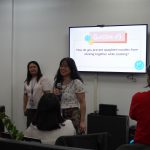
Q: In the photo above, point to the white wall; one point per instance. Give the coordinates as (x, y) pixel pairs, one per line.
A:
(6, 54)
(40, 32)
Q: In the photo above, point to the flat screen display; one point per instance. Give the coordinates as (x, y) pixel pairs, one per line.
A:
(113, 48)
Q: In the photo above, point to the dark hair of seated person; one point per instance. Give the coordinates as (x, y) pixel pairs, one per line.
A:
(48, 116)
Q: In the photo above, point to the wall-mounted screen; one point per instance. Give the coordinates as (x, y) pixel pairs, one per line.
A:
(113, 48)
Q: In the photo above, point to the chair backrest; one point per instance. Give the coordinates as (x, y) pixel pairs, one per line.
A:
(133, 147)
(29, 139)
(96, 141)
(25, 145)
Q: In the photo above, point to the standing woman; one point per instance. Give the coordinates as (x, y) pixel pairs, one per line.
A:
(72, 93)
(35, 86)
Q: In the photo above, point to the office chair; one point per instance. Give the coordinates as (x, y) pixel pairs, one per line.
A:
(95, 141)
(133, 147)
(6, 135)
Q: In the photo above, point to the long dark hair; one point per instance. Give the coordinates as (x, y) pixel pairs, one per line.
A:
(48, 116)
(29, 76)
(73, 68)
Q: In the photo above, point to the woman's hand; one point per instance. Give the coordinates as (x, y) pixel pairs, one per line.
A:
(82, 127)
(56, 91)
(81, 98)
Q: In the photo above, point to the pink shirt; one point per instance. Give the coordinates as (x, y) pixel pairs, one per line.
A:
(35, 90)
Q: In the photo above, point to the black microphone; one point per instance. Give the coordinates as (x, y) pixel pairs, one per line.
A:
(59, 86)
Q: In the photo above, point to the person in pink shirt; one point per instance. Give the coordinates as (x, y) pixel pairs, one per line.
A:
(35, 85)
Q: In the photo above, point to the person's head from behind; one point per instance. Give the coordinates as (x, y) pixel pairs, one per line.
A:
(33, 70)
(67, 68)
(48, 113)
(148, 76)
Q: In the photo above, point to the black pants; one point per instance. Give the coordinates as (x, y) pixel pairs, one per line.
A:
(31, 114)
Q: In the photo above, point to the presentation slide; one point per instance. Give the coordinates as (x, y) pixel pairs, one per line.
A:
(118, 48)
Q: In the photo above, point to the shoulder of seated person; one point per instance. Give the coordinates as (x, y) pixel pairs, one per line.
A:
(68, 121)
(32, 126)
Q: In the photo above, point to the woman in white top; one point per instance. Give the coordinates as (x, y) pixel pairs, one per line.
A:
(69, 84)
(35, 86)
(49, 124)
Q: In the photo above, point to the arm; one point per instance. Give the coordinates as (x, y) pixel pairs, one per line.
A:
(25, 101)
(81, 98)
(134, 108)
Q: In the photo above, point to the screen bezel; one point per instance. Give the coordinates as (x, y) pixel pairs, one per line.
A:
(101, 26)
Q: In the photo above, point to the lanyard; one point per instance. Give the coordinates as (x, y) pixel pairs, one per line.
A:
(33, 82)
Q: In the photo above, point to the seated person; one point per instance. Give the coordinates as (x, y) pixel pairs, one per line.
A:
(140, 112)
(49, 124)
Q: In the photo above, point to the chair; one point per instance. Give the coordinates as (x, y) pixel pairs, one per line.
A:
(25, 145)
(133, 147)
(29, 139)
(96, 141)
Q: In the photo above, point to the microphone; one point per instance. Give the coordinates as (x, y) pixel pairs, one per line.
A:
(59, 86)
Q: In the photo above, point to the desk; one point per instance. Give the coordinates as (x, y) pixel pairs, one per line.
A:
(117, 126)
